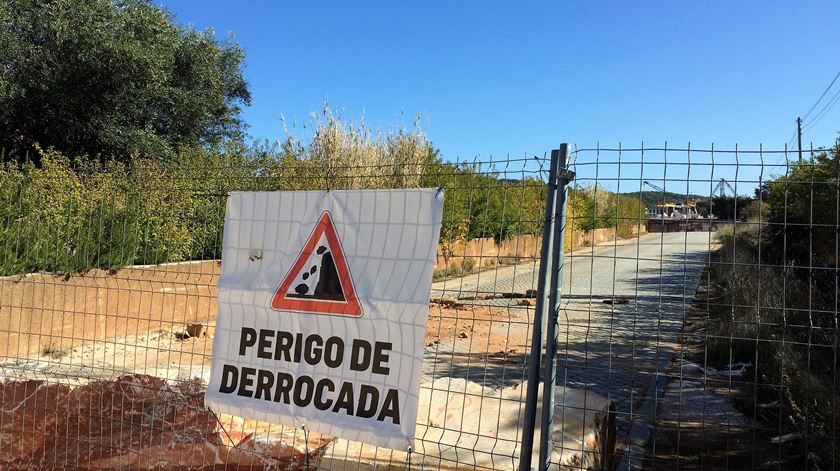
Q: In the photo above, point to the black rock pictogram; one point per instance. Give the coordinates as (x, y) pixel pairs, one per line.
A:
(328, 287)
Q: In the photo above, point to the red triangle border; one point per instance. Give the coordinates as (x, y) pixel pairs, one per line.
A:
(350, 307)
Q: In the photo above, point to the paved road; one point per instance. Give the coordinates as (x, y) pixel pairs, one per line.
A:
(612, 349)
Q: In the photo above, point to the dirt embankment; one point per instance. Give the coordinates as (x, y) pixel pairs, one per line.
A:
(52, 314)
(138, 422)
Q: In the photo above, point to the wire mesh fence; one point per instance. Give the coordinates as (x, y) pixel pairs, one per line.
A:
(696, 319)
(715, 334)
(108, 305)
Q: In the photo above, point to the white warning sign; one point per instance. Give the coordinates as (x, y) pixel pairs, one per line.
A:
(323, 302)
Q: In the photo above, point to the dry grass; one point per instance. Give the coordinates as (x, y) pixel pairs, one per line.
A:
(352, 155)
(782, 320)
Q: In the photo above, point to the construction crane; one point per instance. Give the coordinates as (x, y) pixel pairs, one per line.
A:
(654, 186)
(669, 209)
(652, 212)
(722, 186)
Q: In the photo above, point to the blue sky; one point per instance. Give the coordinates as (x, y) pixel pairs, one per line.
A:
(492, 78)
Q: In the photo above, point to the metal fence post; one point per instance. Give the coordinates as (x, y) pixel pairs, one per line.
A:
(555, 285)
(529, 427)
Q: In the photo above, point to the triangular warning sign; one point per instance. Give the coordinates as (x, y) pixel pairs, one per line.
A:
(319, 281)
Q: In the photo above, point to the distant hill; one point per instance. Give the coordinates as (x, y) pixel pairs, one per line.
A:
(651, 198)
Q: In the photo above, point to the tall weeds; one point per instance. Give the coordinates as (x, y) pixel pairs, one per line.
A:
(784, 322)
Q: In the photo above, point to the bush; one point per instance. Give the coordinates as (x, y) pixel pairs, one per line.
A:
(782, 321)
(65, 215)
(804, 211)
(756, 211)
(589, 208)
(779, 285)
(629, 213)
(58, 219)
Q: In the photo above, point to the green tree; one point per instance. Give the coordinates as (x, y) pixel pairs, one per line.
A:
(728, 208)
(115, 78)
(756, 211)
(627, 214)
(804, 208)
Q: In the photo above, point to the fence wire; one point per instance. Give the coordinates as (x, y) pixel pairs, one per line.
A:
(108, 305)
(697, 316)
(714, 334)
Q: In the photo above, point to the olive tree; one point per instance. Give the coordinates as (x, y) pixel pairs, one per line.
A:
(113, 78)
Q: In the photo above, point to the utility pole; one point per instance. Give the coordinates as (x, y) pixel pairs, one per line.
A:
(799, 133)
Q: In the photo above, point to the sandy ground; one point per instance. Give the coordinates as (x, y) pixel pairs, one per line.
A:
(101, 325)
(481, 329)
(75, 331)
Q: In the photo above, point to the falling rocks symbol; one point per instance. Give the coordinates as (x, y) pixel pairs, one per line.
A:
(319, 281)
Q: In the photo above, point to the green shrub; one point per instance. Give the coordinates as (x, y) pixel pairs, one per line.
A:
(804, 211)
(629, 213)
(60, 219)
(756, 211)
(66, 215)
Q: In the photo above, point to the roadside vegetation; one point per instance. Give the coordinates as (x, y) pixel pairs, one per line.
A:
(113, 79)
(593, 207)
(774, 305)
(63, 214)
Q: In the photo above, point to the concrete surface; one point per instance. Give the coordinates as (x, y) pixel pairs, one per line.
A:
(463, 425)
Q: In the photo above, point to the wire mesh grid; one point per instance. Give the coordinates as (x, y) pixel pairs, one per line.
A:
(697, 318)
(715, 333)
(108, 302)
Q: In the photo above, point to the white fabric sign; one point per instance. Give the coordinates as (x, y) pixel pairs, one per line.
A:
(323, 302)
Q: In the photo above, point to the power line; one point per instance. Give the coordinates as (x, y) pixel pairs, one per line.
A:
(824, 111)
(821, 96)
(793, 138)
